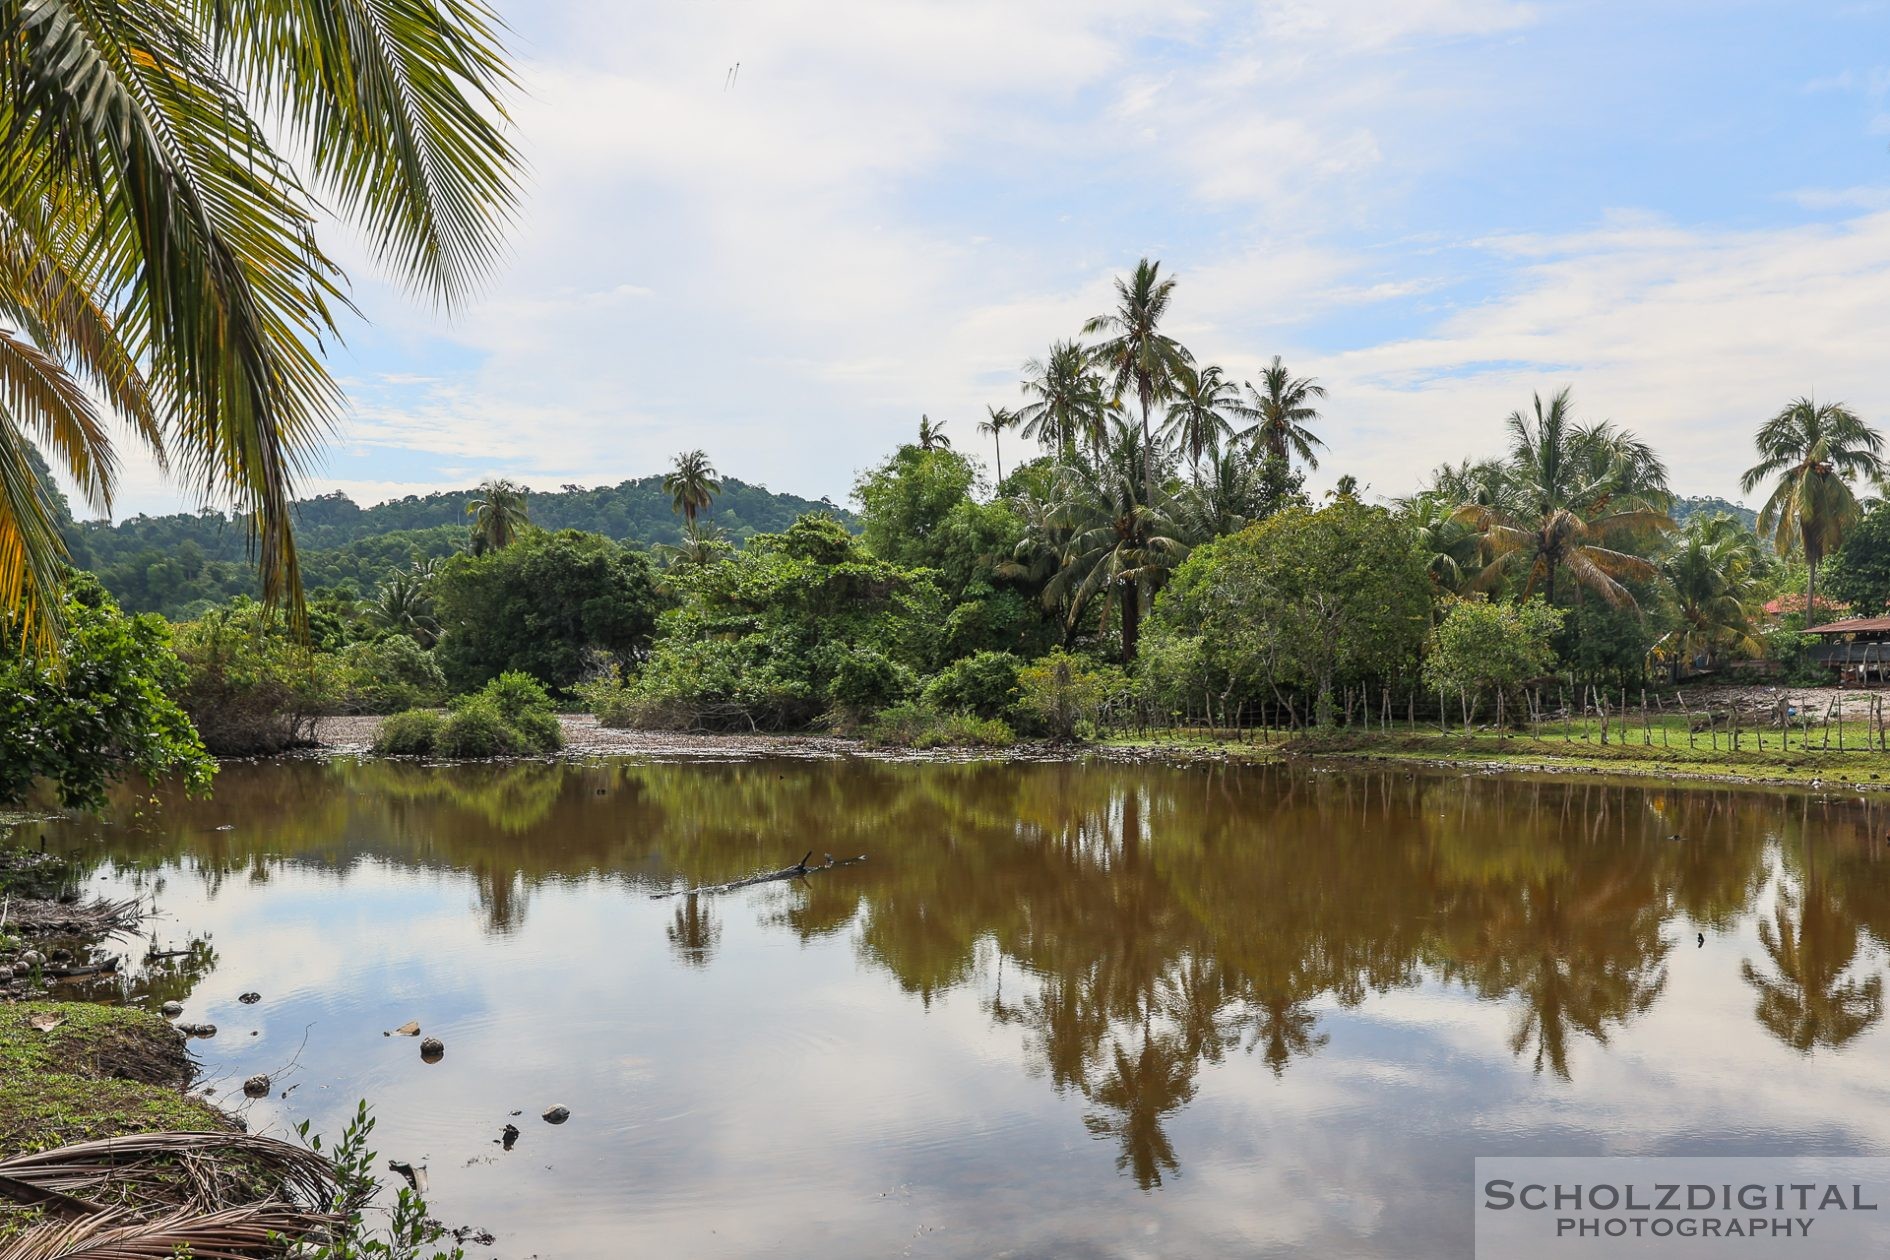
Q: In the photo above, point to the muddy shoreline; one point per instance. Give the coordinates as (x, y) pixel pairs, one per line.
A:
(584, 738)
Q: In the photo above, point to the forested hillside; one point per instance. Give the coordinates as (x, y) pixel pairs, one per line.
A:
(178, 564)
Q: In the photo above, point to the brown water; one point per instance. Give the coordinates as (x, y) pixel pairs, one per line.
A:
(1061, 1010)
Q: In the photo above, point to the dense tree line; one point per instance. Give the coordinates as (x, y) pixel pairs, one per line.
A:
(1149, 554)
(182, 564)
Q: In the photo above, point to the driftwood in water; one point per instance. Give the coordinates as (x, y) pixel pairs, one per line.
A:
(795, 871)
(110, 965)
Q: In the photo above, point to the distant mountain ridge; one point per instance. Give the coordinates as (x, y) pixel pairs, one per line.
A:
(180, 563)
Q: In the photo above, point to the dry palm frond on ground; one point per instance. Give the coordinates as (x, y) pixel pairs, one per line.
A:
(169, 1194)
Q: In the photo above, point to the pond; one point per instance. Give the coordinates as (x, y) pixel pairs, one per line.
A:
(1062, 1009)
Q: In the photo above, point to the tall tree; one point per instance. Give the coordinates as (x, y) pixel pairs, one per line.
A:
(1198, 417)
(1119, 543)
(1709, 570)
(1578, 498)
(1814, 450)
(1069, 405)
(1000, 419)
(932, 435)
(498, 515)
(1136, 353)
(159, 257)
(1281, 409)
(691, 485)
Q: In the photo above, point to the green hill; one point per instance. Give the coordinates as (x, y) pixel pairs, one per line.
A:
(1703, 504)
(177, 564)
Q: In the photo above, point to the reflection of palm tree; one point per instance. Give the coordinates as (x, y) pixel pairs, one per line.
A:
(1813, 1001)
(1138, 1094)
(694, 933)
(1282, 1030)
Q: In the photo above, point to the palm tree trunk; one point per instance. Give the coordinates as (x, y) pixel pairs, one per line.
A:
(1811, 593)
(997, 444)
(1131, 620)
(1148, 461)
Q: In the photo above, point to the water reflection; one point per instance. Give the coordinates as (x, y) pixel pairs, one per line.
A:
(1136, 927)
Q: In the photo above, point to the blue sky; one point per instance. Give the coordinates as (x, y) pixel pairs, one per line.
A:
(1682, 210)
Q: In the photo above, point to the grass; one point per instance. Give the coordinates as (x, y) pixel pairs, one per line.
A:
(102, 1072)
(1662, 749)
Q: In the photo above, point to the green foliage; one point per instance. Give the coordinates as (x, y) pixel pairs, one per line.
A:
(1610, 646)
(1308, 600)
(917, 512)
(918, 725)
(185, 564)
(1480, 646)
(1064, 695)
(511, 716)
(415, 733)
(863, 681)
(474, 731)
(983, 683)
(252, 688)
(550, 605)
(758, 640)
(391, 674)
(105, 710)
(410, 1231)
(1858, 573)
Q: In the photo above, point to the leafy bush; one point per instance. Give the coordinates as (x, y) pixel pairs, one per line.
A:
(609, 697)
(983, 683)
(390, 675)
(104, 710)
(864, 681)
(912, 725)
(477, 730)
(510, 716)
(252, 688)
(1064, 695)
(412, 734)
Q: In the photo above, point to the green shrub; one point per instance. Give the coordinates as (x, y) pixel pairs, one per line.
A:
(914, 725)
(538, 731)
(476, 729)
(863, 682)
(514, 694)
(510, 716)
(1063, 695)
(414, 733)
(390, 675)
(983, 683)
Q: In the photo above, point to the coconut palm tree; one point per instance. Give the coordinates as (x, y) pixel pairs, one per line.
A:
(1709, 570)
(1119, 544)
(1281, 409)
(1576, 498)
(1000, 419)
(691, 485)
(1814, 449)
(1136, 354)
(1069, 403)
(702, 544)
(1450, 547)
(499, 514)
(403, 605)
(159, 256)
(1198, 417)
(932, 436)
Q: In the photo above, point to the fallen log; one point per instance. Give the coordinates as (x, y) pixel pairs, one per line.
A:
(110, 965)
(795, 871)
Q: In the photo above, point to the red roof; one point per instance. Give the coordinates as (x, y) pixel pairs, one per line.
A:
(1869, 625)
(1795, 602)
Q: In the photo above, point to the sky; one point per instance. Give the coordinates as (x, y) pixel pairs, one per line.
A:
(1679, 209)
